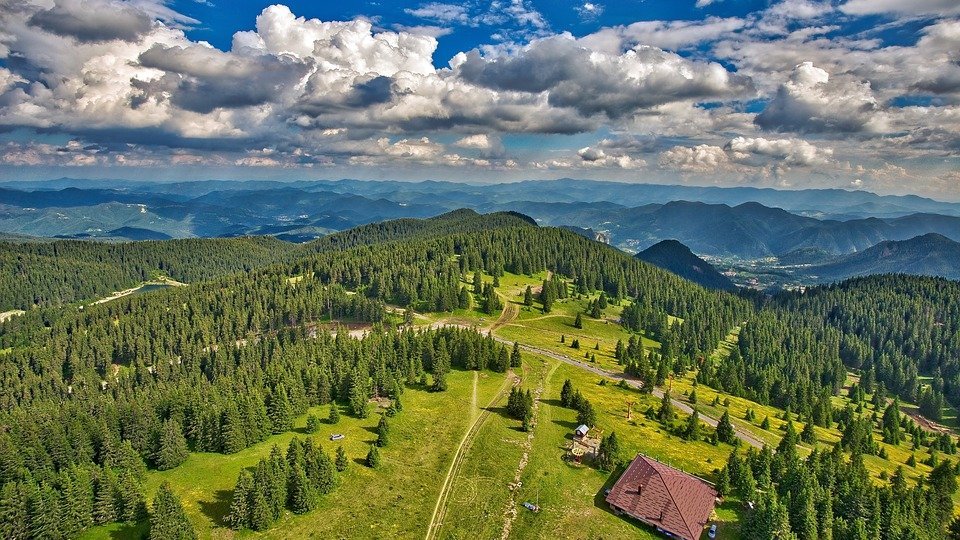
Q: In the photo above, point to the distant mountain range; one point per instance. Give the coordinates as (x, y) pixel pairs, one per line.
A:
(794, 229)
(927, 255)
(677, 258)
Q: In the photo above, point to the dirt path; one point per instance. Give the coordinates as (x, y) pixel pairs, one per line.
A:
(440, 508)
(744, 435)
(510, 513)
(10, 314)
(120, 294)
(509, 313)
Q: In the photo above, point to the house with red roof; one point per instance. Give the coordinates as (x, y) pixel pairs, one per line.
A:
(668, 499)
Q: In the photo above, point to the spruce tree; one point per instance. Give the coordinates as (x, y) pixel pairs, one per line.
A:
(341, 460)
(358, 394)
(239, 516)
(586, 415)
(334, 416)
(528, 297)
(373, 457)
(261, 515)
(313, 423)
(301, 493)
(725, 431)
(383, 432)
(609, 453)
(566, 393)
(515, 359)
(692, 430)
(578, 321)
(666, 414)
(281, 415)
(168, 521)
(441, 366)
(172, 447)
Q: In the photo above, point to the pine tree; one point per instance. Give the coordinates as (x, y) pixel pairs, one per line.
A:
(239, 516)
(807, 434)
(441, 366)
(172, 449)
(891, 423)
(168, 521)
(515, 359)
(578, 321)
(666, 414)
(725, 431)
(692, 430)
(341, 460)
(528, 297)
(281, 415)
(586, 415)
(609, 453)
(373, 457)
(105, 500)
(383, 432)
(313, 423)
(261, 516)
(334, 416)
(723, 482)
(301, 493)
(358, 394)
(566, 393)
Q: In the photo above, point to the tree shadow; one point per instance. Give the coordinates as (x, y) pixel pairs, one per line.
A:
(219, 507)
(362, 461)
(500, 410)
(131, 531)
(566, 424)
(371, 429)
(552, 402)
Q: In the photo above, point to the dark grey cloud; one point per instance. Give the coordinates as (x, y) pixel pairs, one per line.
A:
(93, 21)
(203, 79)
(591, 83)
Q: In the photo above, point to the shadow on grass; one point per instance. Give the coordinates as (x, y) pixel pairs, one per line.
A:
(362, 461)
(551, 402)
(130, 531)
(219, 507)
(500, 410)
(569, 425)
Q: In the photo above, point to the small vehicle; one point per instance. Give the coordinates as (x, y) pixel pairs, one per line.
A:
(712, 533)
(531, 507)
(336, 437)
(606, 492)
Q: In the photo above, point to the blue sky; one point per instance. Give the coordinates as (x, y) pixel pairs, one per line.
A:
(861, 94)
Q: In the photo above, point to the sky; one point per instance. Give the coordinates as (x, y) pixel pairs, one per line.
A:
(854, 94)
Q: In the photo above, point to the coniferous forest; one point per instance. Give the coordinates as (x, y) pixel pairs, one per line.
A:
(95, 396)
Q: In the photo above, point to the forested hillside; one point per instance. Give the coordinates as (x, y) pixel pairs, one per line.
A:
(892, 329)
(220, 364)
(51, 273)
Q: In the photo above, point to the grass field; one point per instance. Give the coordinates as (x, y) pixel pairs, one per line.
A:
(393, 502)
(570, 495)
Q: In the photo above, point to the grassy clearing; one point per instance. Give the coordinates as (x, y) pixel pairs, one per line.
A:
(571, 496)
(392, 502)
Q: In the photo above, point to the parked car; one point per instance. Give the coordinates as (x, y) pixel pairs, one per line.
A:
(712, 533)
(336, 437)
(531, 507)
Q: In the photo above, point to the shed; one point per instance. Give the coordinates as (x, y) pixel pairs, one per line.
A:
(582, 430)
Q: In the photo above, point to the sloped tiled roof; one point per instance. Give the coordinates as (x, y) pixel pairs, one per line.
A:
(662, 496)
